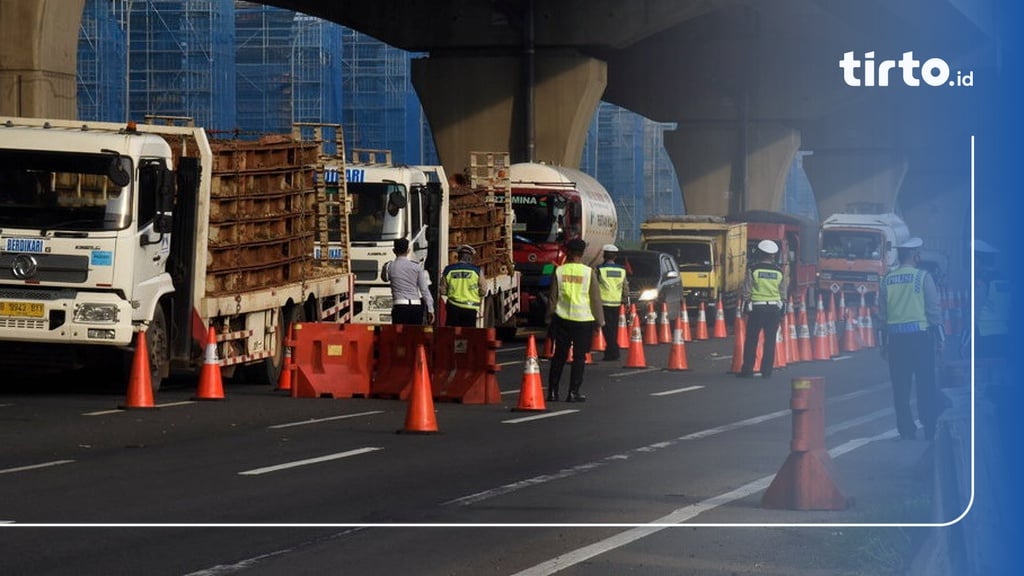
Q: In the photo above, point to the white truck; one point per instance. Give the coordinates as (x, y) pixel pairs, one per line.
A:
(108, 230)
(419, 203)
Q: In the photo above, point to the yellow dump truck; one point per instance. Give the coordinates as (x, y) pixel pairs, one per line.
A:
(711, 253)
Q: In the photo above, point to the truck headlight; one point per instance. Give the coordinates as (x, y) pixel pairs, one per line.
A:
(649, 294)
(872, 277)
(96, 313)
(825, 275)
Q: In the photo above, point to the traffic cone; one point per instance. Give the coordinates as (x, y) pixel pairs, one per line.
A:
(759, 352)
(677, 355)
(211, 387)
(651, 325)
(820, 346)
(719, 330)
(780, 349)
(830, 326)
(140, 381)
(867, 330)
(597, 343)
(420, 417)
(622, 337)
(850, 334)
(739, 331)
(664, 326)
(792, 348)
(702, 323)
(549, 346)
(687, 336)
(635, 357)
(284, 380)
(803, 332)
(531, 390)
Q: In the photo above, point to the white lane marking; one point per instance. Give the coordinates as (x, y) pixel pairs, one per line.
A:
(676, 391)
(841, 358)
(729, 357)
(511, 348)
(503, 392)
(678, 517)
(538, 416)
(328, 419)
(35, 466)
(512, 363)
(122, 410)
(586, 467)
(635, 371)
(317, 460)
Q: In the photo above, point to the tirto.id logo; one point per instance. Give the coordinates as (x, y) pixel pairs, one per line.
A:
(933, 71)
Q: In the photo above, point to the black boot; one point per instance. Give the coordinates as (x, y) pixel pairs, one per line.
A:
(552, 394)
(575, 396)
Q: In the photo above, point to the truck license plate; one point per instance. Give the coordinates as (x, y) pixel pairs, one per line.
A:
(21, 309)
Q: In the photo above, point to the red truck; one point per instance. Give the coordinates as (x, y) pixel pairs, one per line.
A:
(797, 238)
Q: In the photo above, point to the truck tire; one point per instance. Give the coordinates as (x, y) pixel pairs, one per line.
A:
(267, 371)
(158, 345)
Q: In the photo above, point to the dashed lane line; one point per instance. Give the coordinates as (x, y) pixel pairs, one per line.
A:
(35, 466)
(539, 416)
(328, 419)
(676, 391)
(308, 461)
(122, 410)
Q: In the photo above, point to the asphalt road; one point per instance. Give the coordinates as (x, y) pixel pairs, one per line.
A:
(657, 473)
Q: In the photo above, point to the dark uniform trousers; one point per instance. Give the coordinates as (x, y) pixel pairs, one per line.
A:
(457, 316)
(610, 329)
(566, 334)
(407, 314)
(912, 364)
(762, 317)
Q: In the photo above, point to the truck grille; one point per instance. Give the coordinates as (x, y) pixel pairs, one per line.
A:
(50, 268)
(23, 323)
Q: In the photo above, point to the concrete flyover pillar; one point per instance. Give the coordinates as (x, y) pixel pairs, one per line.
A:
(724, 168)
(855, 180)
(477, 103)
(38, 57)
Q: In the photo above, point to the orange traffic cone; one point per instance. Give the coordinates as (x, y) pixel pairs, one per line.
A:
(622, 337)
(284, 380)
(820, 346)
(677, 356)
(651, 325)
(803, 333)
(664, 326)
(702, 323)
(850, 333)
(211, 387)
(780, 349)
(635, 357)
(687, 336)
(739, 331)
(832, 330)
(867, 333)
(549, 346)
(140, 381)
(420, 418)
(531, 391)
(789, 333)
(597, 343)
(719, 330)
(759, 352)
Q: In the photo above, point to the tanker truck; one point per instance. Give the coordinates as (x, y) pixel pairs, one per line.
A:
(112, 232)
(553, 205)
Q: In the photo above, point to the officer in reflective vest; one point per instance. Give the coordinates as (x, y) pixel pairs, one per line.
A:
(462, 285)
(762, 290)
(992, 304)
(911, 311)
(574, 312)
(614, 286)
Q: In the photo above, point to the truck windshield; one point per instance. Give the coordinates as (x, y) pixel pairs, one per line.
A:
(852, 245)
(536, 217)
(374, 218)
(61, 190)
(691, 256)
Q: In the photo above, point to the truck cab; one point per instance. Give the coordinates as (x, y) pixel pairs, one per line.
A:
(857, 250)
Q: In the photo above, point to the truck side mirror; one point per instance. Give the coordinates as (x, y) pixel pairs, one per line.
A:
(117, 172)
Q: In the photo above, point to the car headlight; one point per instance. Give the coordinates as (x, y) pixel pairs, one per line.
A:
(649, 294)
(96, 313)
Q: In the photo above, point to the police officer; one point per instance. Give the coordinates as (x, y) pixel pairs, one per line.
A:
(614, 292)
(462, 284)
(575, 308)
(762, 291)
(410, 288)
(992, 304)
(911, 313)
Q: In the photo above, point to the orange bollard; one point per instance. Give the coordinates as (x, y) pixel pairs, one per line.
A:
(651, 325)
(806, 480)
(687, 336)
(284, 379)
(664, 326)
(211, 387)
(140, 381)
(420, 417)
(739, 331)
(635, 357)
(677, 355)
(531, 390)
(719, 330)
(702, 323)
(622, 337)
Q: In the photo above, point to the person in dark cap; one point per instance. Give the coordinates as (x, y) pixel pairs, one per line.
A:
(462, 287)
(911, 313)
(410, 288)
(574, 312)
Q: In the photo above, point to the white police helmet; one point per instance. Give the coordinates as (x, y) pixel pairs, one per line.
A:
(767, 246)
(610, 248)
(466, 249)
(912, 242)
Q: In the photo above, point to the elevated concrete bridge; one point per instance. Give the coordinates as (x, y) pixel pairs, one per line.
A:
(748, 82)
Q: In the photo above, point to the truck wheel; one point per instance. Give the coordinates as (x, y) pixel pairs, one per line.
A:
(159, 348)
(267, 371)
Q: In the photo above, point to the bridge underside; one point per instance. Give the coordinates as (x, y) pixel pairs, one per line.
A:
(748, 84)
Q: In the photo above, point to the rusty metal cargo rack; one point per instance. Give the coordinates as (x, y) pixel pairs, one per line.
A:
(481, 213)
(332, 205)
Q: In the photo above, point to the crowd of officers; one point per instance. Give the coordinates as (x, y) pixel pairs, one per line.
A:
(584, 298)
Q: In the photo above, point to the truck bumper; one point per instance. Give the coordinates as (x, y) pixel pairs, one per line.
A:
(65, 316)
